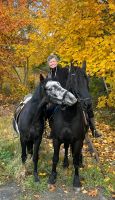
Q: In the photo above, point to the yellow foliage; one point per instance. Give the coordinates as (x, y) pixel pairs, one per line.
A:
(73, 29)
(102, 102)
(111, 99)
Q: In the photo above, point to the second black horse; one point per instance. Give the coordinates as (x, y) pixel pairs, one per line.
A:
(68, 125)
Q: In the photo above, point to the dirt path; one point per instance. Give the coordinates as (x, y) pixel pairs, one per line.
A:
(12, 191)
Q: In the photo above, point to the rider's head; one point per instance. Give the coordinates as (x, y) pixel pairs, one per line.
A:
(52, 61)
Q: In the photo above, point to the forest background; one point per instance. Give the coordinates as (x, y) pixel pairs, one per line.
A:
(75, 30)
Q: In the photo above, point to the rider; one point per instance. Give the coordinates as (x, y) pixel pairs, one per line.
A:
(60, 74)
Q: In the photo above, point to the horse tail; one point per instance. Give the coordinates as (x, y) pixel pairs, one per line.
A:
(66, 134)
(15, 125)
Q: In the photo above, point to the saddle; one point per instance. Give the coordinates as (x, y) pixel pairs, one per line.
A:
(19, 109)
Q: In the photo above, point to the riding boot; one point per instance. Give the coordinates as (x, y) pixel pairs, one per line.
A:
(95, 133)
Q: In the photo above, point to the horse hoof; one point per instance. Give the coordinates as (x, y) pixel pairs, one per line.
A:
(52, 178)
(76, 182)
(77, 189)
(37, 180)
(51, 181)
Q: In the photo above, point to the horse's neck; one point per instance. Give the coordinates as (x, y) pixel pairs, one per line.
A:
(35, 101)
(70, 111)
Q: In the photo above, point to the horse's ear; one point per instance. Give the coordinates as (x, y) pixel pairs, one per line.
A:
(84, 65)
(41, 78)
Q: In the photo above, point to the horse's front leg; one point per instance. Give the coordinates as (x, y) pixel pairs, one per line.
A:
(76, 150)
(53, 175)
(66, 161)
(37, 143)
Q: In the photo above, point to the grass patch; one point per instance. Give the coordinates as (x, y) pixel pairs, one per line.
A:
(10, 165)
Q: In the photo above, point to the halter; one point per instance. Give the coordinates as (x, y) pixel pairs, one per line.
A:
(84, 99)
(64, 96)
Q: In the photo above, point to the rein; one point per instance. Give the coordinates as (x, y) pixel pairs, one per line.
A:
(56, 108)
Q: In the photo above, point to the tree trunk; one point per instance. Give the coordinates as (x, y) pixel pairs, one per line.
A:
(19, 78)
(26, 68)
(107, 90)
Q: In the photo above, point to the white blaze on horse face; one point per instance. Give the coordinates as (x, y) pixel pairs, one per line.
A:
(57, 93)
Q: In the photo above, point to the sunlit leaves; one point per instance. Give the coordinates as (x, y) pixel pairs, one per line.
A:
(73, 29)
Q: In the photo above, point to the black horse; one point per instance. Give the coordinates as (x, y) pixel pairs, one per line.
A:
(69, 125)
(29, 122)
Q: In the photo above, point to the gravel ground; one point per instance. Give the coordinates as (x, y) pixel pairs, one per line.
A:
(12, 191)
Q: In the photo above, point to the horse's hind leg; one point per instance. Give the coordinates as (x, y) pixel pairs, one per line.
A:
(30, 148)
(23, 146)
(53, 175)
(66, 161)
(35, 157)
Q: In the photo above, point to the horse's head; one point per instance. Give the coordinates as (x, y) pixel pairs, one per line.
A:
(78, 82)
(51, 91)
(58, 94)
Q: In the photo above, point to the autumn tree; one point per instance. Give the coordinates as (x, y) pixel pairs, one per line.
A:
(81, 30)
(74, 29)
(15, 20)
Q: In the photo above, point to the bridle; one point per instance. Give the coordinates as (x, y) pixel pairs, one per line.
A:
(64, 96)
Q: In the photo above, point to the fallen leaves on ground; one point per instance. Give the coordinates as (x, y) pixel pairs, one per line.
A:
(93, 192)
(51, 187)
(36, 196)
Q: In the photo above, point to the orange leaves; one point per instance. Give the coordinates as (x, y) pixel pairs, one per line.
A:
(93, 193)
(36, 196)
(51, 188)
(74, 30)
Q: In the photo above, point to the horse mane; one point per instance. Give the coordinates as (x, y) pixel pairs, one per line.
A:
(80, 72)
(36, 95)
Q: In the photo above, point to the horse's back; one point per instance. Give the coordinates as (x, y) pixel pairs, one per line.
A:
(24, 117)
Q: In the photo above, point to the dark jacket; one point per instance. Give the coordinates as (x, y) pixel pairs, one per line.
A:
(59, 74)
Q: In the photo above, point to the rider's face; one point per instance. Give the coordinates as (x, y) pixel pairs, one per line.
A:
(53, 63)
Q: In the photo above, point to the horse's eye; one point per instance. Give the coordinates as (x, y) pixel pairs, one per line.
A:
(50, 89)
